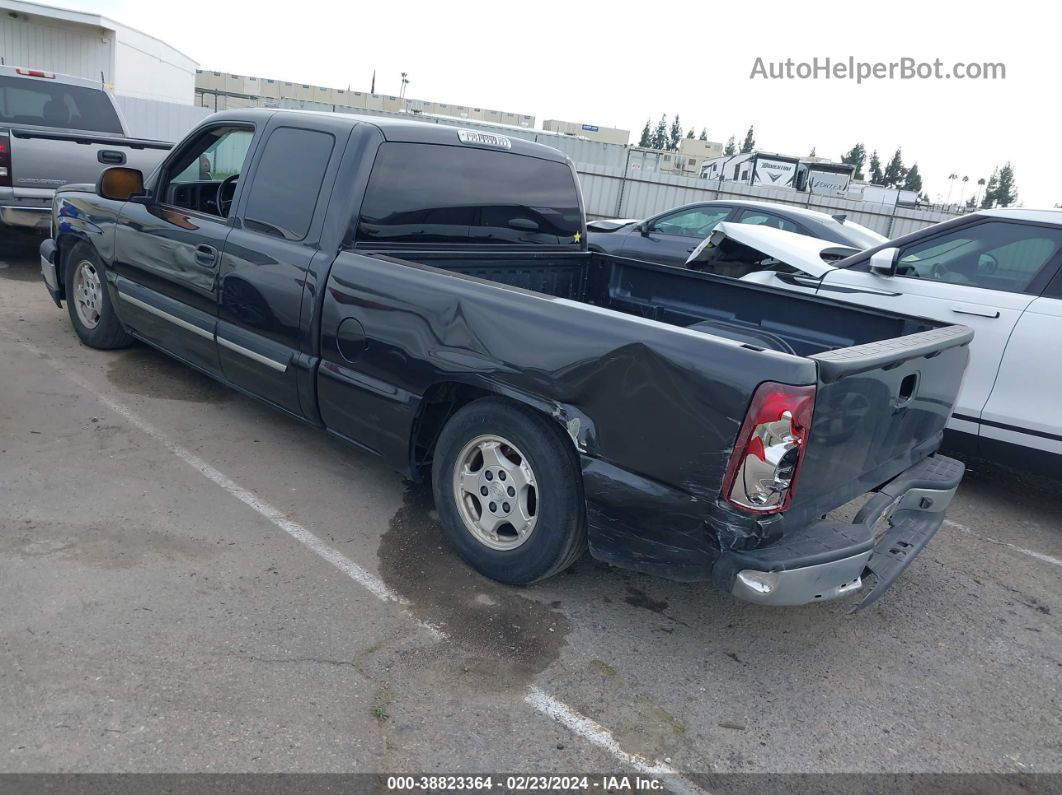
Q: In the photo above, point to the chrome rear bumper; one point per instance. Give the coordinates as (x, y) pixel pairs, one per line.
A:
(829, 559)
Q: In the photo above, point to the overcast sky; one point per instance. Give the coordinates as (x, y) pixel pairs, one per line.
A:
(618, 64)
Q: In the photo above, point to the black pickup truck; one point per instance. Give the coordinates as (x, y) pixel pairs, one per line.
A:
(425, 293)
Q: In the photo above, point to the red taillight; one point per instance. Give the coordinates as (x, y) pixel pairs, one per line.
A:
(5, 160)
(35, 73)
(763, 468)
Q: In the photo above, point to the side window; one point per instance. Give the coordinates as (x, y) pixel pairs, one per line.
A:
(697, 223)
(203, 175)
(993, 255)
(767, 219)
(287, 182)
(221, 156)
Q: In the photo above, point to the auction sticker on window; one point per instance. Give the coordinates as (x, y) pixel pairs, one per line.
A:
(484, 139)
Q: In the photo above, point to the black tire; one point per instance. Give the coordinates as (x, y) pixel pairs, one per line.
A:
(108, 333)
(559, 535)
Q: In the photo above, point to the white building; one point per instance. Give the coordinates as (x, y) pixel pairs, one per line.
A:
(128, 62)
(595, 132)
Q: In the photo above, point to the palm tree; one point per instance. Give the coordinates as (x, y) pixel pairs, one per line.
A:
(977, 196)
(962, 189)
(951, 184)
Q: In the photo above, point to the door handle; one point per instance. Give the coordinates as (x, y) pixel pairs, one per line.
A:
(110, 157)
(976, 313)
(206, 255)
(691, 249)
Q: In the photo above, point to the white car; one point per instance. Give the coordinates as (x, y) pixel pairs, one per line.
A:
(997, 271)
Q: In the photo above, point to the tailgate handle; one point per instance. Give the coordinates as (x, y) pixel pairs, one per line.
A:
(110, 157)
(984, 313)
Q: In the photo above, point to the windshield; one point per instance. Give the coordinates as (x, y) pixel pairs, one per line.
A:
(44, 103)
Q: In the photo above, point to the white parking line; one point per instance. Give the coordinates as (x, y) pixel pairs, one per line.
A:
(1032, 553)
(537, 699)
(598, 735)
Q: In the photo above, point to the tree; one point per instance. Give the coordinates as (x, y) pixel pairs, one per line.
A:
(894, 172)
(647, 135)
(730, 147)
(676, 134)
(660, 138)
(856, 156)
(977, 194)
(1006, 190)
(951, 184)
(962, 188)
(989, 200)
(876, 177)
(913, 180)
(812, 153)
(704, 134)
(749, 143)
(690, 134)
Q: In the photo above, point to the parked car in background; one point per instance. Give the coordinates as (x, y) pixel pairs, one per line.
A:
(425, 293)
(997, 271)
(56, 129)
(670, 237)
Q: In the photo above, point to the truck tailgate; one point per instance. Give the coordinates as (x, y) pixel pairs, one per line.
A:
(44, 159)
(879, 408)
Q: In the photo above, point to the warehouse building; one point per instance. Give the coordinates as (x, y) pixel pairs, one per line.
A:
(595, 132)
(126, 61)
(222, 91)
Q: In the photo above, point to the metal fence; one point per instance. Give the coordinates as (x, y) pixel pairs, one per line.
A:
(617, 181)
(160, 121)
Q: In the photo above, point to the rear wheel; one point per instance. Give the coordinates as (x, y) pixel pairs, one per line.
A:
(509, 492)
(89, 303)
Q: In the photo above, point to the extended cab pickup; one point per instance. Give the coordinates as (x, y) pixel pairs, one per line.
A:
(57, 129)
(425, 293)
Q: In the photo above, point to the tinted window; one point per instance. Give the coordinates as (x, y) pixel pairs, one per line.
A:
(993, 255)
(287, 182)
(427, 193)
(697, 223)
(49, 104)
(767, 219)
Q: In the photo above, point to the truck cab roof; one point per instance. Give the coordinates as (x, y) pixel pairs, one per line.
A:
(407, 130)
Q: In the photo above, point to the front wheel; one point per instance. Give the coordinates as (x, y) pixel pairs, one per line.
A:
(88, 302)
(508, 490)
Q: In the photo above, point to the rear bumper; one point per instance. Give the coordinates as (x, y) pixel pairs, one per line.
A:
(26, 217)
(826, 559)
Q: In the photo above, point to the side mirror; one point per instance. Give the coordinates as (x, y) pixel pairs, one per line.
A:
(120, 183)
(883, 262)
(643, 229)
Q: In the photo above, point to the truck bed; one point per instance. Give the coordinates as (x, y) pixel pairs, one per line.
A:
(761, 318)
(885, 381)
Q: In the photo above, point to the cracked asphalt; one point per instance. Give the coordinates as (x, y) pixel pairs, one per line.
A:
(152, 622)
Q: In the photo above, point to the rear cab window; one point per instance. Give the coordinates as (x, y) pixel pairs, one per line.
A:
(42, 103)
(434, 194)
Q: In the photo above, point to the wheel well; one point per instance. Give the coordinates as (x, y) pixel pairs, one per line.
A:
(65, 244)
(439, 403)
